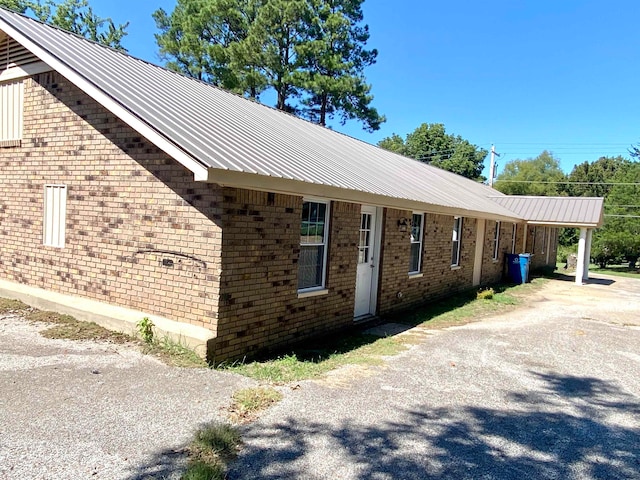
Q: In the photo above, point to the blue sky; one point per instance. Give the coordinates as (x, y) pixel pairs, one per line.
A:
(526, 75)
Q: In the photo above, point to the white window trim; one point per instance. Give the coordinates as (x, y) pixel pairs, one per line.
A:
(320, 289)
(460, 229)
(496, 242)
(54, 222)
(514, 234)
(411, 242)
(544, 240)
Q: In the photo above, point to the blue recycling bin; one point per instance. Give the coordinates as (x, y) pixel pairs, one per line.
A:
(514, 274)
(524, 266)
(518, 267)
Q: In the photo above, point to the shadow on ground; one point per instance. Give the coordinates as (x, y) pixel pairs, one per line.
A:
(568, 429)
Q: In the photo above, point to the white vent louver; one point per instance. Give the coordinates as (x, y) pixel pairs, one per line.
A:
(12, 54)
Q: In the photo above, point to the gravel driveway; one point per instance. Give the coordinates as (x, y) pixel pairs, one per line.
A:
(81, 410)
(551, 390)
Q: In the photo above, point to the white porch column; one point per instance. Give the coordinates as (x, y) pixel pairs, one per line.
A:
(587, 255)
(582, 247)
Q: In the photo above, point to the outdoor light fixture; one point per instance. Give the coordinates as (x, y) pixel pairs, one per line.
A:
(404, 224)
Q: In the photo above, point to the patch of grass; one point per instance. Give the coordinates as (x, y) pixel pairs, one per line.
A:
(213, 446)
(248, 402)
(174, 353)
(618, 270)
(8, 306)
(466, 307)
(198, 470)
(312, 362)
(67, 327)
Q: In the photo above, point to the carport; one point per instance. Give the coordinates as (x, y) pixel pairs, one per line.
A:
(585, 213)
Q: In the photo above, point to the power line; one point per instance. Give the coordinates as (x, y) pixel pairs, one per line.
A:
(622, 216)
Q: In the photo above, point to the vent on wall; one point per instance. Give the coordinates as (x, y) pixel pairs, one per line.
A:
(12, 54)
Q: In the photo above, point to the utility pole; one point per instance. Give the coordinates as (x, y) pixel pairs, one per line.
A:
(493, 167)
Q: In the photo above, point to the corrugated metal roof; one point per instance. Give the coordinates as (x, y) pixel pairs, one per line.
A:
(227, 132)
(566, 211)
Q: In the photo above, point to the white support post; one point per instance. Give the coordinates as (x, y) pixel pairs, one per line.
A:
(587, 255)
(477, 260)
(582, 247)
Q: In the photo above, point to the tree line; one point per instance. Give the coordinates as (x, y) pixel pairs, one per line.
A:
(617, 179)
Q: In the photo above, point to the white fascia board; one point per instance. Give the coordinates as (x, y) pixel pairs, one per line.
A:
(564, 224)
(144, 129)
(264, 183)
(16, 72)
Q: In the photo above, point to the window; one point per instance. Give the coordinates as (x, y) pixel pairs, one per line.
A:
(496, 241)
(55, 212)
(11, 102)
(456, 241)
(313, 245)
(415, 261)
(544, 239)
(513, 237)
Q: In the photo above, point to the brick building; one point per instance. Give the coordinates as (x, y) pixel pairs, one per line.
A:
(132, 191)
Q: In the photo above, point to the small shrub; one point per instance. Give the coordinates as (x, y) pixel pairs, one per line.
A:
(145, 329)
(219, 438)
(249, 401)
(213, 445)
(199, 470)
(486, 294)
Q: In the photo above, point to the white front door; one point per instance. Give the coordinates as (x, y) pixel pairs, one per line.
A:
(367, 255)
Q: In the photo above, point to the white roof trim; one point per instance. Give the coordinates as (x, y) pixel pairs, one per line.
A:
(16, 72)
(265, 183)
(199, 170)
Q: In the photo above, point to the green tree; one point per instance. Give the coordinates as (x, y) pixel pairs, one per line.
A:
(274, 41)
(430, 143)
(394, 143)
(591, 179)
(310, 52)
(534, 176)
(75, 16)
(622, 209)
(200, 39)
(333, 61)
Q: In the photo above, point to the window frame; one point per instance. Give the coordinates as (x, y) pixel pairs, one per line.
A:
(514, 235)
(544, 240)
(324, 244)
(456, 245)
(496, 241)
(419, 242)
(54, 218)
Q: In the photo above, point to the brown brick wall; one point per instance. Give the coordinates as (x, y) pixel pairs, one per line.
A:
(129, 207)
(438, 277)
(260, 308)
(542, 246)
(493, 270)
